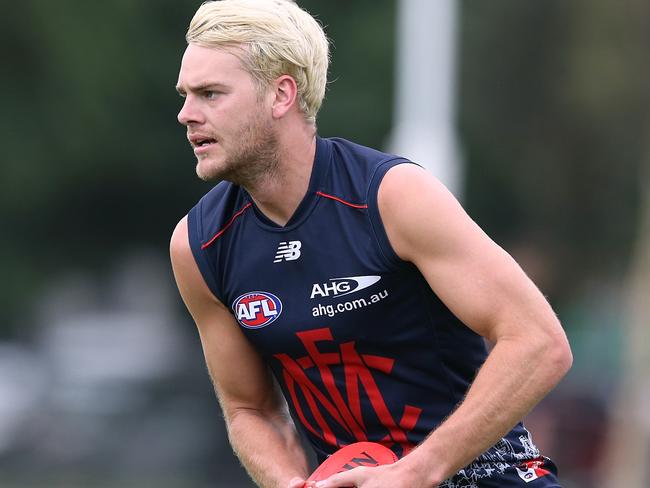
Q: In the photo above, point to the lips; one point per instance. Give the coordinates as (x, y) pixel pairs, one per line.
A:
(200, 140)
(201, 143)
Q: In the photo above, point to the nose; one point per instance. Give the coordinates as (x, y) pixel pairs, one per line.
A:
(189, 113)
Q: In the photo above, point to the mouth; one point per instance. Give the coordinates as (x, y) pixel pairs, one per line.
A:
(202, 144)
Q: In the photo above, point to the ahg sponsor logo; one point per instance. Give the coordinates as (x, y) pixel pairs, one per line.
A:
(257, 309)
(342, 286)
(332, 309)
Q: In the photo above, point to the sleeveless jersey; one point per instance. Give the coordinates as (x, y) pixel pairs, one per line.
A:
(361, 346)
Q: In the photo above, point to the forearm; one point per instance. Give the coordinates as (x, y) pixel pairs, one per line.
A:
(268, 446)
(514, 378)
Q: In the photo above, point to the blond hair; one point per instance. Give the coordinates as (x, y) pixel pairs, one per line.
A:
(276, 38)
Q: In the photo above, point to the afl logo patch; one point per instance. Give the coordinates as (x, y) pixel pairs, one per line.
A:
(257, 309)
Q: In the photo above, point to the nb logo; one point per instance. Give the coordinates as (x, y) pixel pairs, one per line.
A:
(288, 251)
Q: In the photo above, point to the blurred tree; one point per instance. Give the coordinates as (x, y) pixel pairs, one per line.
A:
(89, 137)
(93, 159)
(551, 105)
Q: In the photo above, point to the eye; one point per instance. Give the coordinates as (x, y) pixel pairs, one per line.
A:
(210, 94)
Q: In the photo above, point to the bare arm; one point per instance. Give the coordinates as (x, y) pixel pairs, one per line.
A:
(259, 426)
(484, 287)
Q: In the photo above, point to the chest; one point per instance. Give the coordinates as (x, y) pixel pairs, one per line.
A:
(327, 274)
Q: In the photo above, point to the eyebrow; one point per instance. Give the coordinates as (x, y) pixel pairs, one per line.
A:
(202, 87)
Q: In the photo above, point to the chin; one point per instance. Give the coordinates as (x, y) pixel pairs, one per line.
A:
(205, 173)
(208, 170)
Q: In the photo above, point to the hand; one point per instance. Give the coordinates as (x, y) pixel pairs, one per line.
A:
(389, 476)
(297, 483)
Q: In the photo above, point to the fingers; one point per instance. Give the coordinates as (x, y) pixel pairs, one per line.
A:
(345, 479)
(298, 483)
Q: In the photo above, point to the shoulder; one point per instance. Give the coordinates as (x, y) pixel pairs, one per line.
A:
(195, 240)
(180, 251)
(419, 212)
(189, 278)
(179, 245)
(412, 183)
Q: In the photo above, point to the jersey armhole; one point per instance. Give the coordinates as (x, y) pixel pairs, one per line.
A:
(195, 231)
(387, 251)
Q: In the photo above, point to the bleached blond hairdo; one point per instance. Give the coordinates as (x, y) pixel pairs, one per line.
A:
(276, 38)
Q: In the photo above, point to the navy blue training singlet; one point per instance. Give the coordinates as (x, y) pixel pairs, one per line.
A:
(359, 343)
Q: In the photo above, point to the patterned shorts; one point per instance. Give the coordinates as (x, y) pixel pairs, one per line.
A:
(540, 472)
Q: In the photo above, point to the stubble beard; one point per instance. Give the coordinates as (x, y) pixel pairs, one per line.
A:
(253, 158)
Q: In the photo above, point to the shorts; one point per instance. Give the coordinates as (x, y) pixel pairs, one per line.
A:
(536, 473)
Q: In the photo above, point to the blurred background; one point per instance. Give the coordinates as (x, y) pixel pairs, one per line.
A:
(102, 380)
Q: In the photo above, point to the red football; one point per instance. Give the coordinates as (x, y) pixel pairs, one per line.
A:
(353, 456)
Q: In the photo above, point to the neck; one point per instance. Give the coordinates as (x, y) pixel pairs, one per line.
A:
(279, 194)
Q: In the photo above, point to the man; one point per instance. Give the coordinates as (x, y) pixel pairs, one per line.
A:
(347, 281)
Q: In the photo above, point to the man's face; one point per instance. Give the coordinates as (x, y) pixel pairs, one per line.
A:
(228, 118)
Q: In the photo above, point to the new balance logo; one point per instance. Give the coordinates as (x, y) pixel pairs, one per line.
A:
(288, 251)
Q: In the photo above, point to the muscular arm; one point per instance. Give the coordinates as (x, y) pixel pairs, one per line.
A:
(259, 426)
(484, 287)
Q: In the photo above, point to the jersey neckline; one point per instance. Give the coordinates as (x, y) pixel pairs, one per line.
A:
(319, 171)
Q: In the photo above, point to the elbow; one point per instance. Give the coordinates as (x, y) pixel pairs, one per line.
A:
(547, 353)
(567, 359)
(275, 412)
(235, 415)
(558, 356)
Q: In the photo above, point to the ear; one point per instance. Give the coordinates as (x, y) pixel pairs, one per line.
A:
(285, 93)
